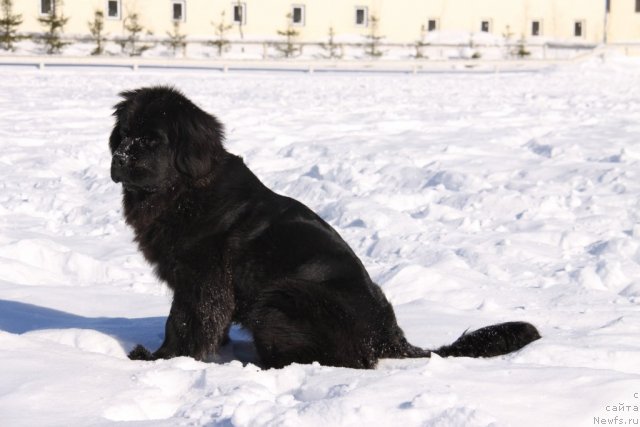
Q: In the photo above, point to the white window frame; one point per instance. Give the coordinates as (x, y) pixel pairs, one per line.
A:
(51, 7)
(243, 13)
(436, 21)
(119, 7)
(489, 24)
(583, 28)
(183, 4)
(303, 13)
(540, 28)
(365, 12)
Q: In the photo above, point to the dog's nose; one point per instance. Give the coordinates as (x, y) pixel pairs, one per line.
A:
(117, 166)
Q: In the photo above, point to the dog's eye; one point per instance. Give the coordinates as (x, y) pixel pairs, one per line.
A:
(150, 143)
(160, 137)
(144, 142)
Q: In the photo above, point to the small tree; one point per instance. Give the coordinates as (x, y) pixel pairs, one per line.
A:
(131, 43)
(373, 38)
(176, 39)
(221, 28)
(289, 48)
(332, 49)
(54, 23)
(507, 36)
(521, 49)
(421, 43)
(96, 27)
(9, 24)
(475, 53)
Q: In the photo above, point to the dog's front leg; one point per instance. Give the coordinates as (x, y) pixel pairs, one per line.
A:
(196, 326)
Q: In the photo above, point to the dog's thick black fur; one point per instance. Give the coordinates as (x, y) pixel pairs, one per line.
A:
(231, 250)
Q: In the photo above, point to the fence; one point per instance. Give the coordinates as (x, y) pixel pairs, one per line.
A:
(200, 48)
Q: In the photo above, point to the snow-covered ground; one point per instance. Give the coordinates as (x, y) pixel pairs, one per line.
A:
(471, 198)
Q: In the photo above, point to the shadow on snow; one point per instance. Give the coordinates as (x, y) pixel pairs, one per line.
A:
(18, 318)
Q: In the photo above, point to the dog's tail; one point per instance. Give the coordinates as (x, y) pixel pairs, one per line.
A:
(490, 341)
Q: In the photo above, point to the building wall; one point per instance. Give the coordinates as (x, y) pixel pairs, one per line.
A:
(400, 21)
(624, 22)
(556, 16)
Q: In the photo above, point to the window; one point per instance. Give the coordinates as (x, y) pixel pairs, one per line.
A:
(113, 9)
(432, 25)
(578, 29)
(46, 7)
(178, 10)
(536, 28)
(297, 15)
(362, 16)
(239, 15)
(485, 26)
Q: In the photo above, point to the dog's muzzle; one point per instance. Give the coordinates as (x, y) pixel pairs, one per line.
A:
(118, 165)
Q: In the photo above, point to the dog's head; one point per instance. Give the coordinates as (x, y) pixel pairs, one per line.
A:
(161, 138)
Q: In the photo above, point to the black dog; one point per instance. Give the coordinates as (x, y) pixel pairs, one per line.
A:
(234, 251)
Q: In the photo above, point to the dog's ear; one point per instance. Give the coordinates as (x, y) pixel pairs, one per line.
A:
(200, 143)
(120, 113)
(115, 139)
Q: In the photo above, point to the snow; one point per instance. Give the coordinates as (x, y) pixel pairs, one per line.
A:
(471, 198)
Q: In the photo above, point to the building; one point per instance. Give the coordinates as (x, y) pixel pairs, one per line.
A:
(399, 21)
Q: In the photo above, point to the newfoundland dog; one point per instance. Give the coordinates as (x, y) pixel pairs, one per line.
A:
(231, 250)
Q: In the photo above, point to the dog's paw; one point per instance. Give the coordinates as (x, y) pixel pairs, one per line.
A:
(140, 353)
